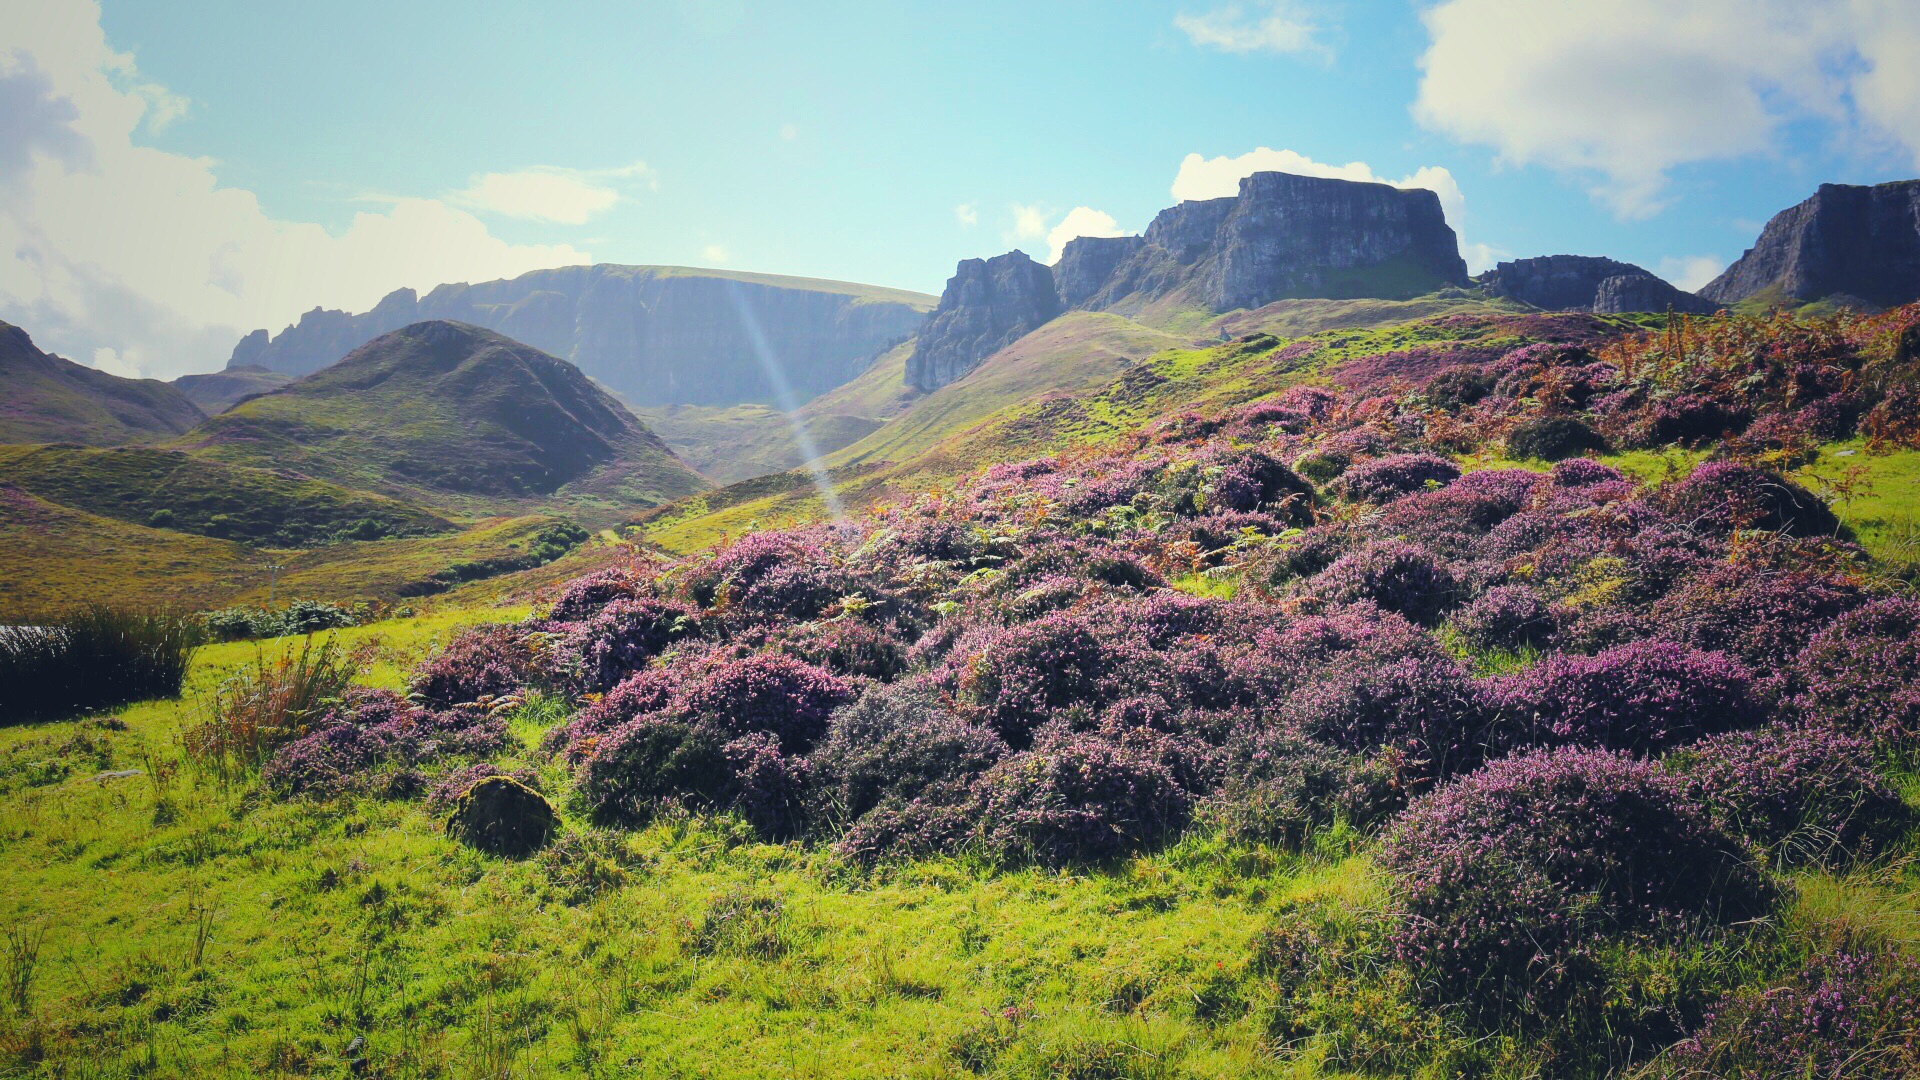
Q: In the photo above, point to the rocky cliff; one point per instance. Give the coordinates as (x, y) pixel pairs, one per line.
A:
(1848, 242)
(656, 335)
(988, 304)
(1283, 236)
(1087, 263)
(1587, 283)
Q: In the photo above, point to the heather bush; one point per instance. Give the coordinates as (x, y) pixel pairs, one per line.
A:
(1505, 617)
(1396, 576)
(1582, 472)
(1807, 794)
(480, 663)
(1551, 438)
(770, 574)
(619, 639)
(1387, 478)
(1014, 679)
(347, 747)
(582, 597)
(845, 647)
(645, 692)
(769, 787)
(1279, 788)
(1247, 480)
(1306, 554)
(893, 746)
(1075, 799)
(638, 766)
(1421, 706)
(768, 693)
(1852, 1014)
(1722, 496)
(1448, 522)
(1640, 697)
(1763, 617)
(1515, 880)
(1862, 674)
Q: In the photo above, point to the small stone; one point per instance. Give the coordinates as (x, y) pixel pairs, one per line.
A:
(502, 816)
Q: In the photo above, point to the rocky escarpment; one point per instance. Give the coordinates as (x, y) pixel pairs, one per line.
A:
(988, 304)
(1588, 283)
(655, 335)
(1848, 242)
(1283, 236)
(1087, 263)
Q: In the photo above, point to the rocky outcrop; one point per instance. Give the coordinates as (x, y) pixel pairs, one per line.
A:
(1087, 263)
(988, 304)
(655, 335)
(1587, 283)
(1285, 236)
(1848, 242)
(501, 816)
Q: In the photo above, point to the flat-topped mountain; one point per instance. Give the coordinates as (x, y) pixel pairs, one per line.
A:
(46, 398)
(218, 391)
(1847, 242)
(1282, 237)
(452, 414)
(656, 335)
(1588, 283)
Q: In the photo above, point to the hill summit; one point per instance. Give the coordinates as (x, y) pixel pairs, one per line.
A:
(46, 398)
(448, 411)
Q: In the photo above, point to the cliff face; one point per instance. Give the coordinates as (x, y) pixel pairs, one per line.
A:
(1287, 236)
(656, 335)
(1588, 283)
(1086, 264)
(1847, 241)
(988, 304)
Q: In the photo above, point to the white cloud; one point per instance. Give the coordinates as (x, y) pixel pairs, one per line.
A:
(1691, 271)
(1278, 26)
(789, 132)
(1483, 257)
(1080, 221)
(1627, 91)
(1218, 177)
(716, 254)
(967, 214)
(140, 259)
(550, 194)
(1029, 222)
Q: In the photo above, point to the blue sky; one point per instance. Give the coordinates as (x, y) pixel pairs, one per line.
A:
(283, 156)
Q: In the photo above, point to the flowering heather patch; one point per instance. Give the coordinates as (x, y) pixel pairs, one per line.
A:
(1076, 798)
(1385, 479)
(1639, 697)
(640, 765)
(1397, 576)
(1580, 472)
(771, 574)
(1505, 617)
(583, 597)
(1279, 788)
(1424, 707)
(769, 786)
(894, 745)
(1807, 794)
(449, 787)
(619, 639)
(1014, 679)
(372, 729)
(479, 663)
(1722, 496)
(1765, 618)
(1846, 1015)
(845, 647)
(766, 693)
(1512, 880)
(1862, 674)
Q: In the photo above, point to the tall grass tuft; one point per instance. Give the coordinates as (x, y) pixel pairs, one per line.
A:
(270, 702)
(96, 657)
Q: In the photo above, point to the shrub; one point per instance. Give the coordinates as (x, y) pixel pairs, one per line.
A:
(1307, 554)
(769, 788)
(344, 748)
(1809, 795)
(770, 575)
(1279, 788)
(269, 703)
(1722, 496)
(845, 647)
(619, 639)
(1014, 679)
(1845, 1015)
(1514, 879)
(584, 596)
(1640, 697)
(771, 694)
(1397, 576)
(1249, 480)
(479, 664)
(1385, 479)
(95, 658)
(1765, 618)
(638, 765)
(1504, 617)
(1862, 674)
(1551, 438)
(1583, 472)
(894, 745)
(1076, 799)
(1422, 706)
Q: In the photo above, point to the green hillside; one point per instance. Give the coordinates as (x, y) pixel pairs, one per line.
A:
(44, 398)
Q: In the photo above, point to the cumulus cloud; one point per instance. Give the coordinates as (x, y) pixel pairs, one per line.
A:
(967, 214)
(1278, 26)
(1080, 221)
(717, 254)
(550, 194)
(1029, 222)
(1691, 271)
(1627, 91)
(142, 260)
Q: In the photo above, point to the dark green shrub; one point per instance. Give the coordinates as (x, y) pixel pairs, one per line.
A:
(96, 658)
(1551, 438)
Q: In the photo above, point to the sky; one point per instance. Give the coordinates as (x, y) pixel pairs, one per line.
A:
(174, 175)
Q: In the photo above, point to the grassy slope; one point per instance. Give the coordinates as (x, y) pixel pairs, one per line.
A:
(204, 497)
(323, 922)
(45, 398)
(218, 391)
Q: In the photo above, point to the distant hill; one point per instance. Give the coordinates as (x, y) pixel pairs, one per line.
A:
(44, 398)
(1847, 243)
(656, 335)
(219, 391)
(456, 417)
(168, 489)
